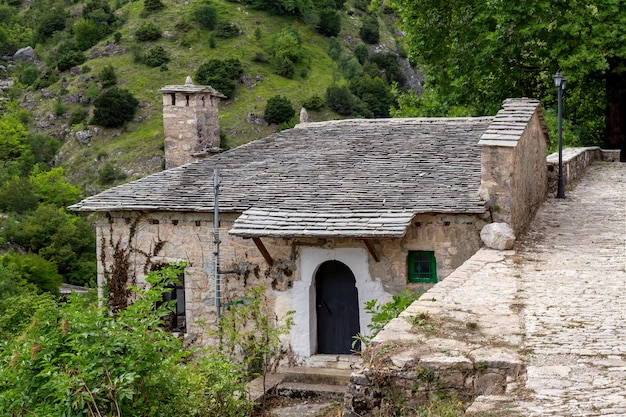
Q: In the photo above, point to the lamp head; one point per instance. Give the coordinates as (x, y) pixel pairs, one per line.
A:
(559, 81)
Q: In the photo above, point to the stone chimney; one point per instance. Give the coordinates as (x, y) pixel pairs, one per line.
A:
(190, 122)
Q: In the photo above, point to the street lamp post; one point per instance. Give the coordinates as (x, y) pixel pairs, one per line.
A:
(559, 82)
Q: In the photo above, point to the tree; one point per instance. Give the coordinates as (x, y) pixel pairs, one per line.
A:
(86, 34)
(479, 53)
(278, 110)
(33, 269)
(114, 107)
(148, 32)
(220, 74)
(375, 93)
(107, 77)
(152, 5)
(330, 23)
(286, 44)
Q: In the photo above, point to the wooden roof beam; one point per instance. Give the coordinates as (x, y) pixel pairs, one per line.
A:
(372, 250)
(261, 247)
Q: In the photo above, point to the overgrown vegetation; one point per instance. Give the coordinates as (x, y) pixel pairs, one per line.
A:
(74, 358)
(384, 313)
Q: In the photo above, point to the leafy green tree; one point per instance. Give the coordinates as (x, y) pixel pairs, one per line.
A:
(53, 20)
(17, 196)
(278, 110)
(477, 54)
(340, 100)
(286, 44)
(33, 269)
(86, 34)
(51, 187)
(330, 23)
(13, 139)
(220, 74)
(375, 93)
(388, 63)
(107, 77)
(114, 107)
(65, 239)
(100, 13)
(286, 69)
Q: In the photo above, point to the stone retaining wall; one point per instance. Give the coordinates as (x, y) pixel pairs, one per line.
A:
(575, 163)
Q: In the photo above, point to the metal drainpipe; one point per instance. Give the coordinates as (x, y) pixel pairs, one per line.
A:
(216, 234)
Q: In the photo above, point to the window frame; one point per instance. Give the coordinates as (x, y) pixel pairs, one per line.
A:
(172, 320)
(417, 277)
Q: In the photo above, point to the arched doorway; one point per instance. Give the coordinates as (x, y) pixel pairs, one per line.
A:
(337, 307)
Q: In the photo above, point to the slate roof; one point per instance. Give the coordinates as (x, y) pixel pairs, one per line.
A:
(510, 122)
(360, 178)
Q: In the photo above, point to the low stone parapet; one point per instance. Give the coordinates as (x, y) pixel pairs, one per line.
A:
(575, 163)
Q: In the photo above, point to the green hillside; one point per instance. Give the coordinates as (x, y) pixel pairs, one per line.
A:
(135, 149)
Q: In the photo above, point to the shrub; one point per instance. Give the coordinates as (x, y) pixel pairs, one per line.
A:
(260, 58)
(28, 75)
(361, 53)
(17, 196)
(155, 57)
(148, 32)
(314, 102)
(44, 148)
(330, 23)
(278, 110)
(109, 174)
(46, 79)
(286, 69)
(340, 100)
(70, 59)
(205, 15)
(34, 269)
(350, 67)
(258, 34)
(369, 32)
(114, 107)
(226, 30)
(126, 364)
(117, 37)
(388, 62)
(78, 116)
(212, 41)
(220, 74)
(107, 77)
(334, 48)
(86, 34)
(286, 44)
(375, 93)
(152, 5)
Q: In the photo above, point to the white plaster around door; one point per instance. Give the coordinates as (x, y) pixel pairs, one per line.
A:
(304, 331)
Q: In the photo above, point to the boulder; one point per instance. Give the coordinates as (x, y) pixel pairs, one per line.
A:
(25, 54)
(498, 236)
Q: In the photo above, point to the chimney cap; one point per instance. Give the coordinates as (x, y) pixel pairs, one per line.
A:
(191, 88)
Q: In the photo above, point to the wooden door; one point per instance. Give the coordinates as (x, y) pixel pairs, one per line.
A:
(337, 303)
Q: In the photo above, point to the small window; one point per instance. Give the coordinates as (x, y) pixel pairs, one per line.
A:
(187, 99)
(176, 321)
(422, 267)
(173, 99)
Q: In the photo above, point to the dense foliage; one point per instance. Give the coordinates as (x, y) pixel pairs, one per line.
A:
(278, 110)
(220, 74)
(74, 358)
(114, 107)
(477, 54)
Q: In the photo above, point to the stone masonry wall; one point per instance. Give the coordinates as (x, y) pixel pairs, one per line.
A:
(158, 238)
(575, 163)
(514, 179)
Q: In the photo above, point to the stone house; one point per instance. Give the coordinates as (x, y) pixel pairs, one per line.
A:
(327, 216)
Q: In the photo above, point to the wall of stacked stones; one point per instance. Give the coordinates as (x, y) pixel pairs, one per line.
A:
(575, 163)
(514, 179)
(168, 237)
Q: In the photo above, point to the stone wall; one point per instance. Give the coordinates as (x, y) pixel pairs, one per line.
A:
(575, 162)
(514, 177)
(161, 237)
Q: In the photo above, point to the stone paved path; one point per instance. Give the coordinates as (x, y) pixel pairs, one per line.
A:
(573, 289)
